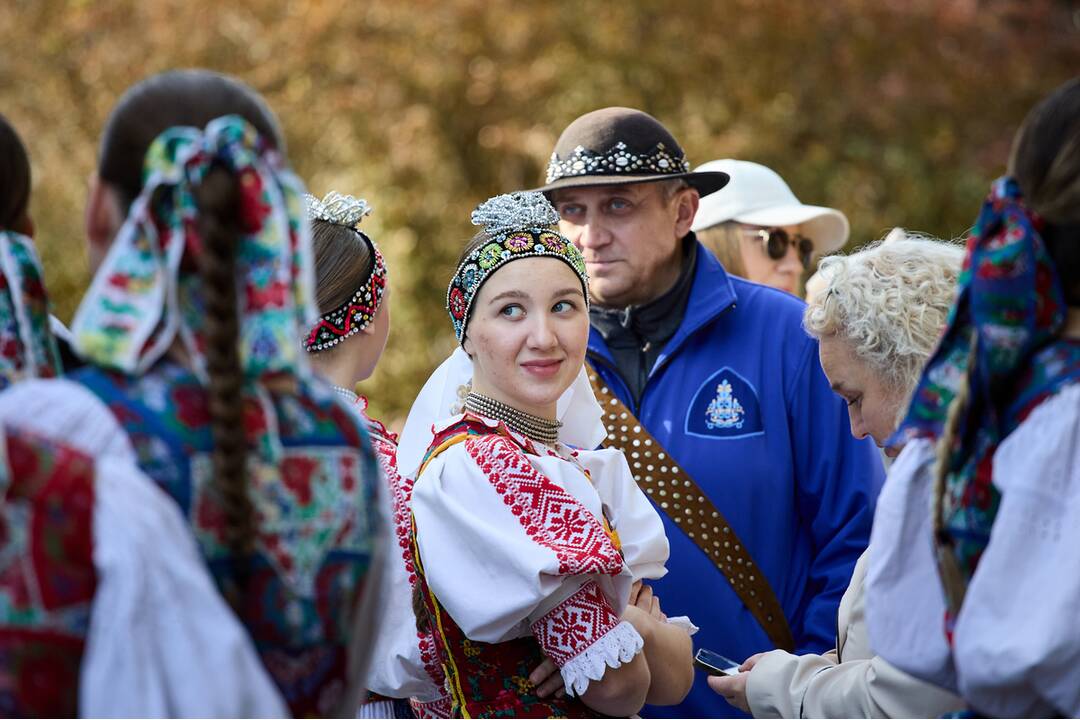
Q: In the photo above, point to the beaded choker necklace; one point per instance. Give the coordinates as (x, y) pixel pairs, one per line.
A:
(531, 426)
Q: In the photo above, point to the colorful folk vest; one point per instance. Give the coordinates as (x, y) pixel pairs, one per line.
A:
(47, 577)
(311, 477)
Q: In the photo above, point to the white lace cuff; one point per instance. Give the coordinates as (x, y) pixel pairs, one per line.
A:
(584, 637)
(618, 646)
(684, 622)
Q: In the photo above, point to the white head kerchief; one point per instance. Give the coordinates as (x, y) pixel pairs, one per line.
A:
(580, 413)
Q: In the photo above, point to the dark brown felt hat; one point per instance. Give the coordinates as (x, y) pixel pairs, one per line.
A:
(620, 146)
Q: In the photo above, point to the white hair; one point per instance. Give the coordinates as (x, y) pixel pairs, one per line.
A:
(889, 301)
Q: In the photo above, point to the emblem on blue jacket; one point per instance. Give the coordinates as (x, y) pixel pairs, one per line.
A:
(724, 407)
(725, 410)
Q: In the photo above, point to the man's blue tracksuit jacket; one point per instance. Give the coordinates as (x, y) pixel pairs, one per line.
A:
(781, 465)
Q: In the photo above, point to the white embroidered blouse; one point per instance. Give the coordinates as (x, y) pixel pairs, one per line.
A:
(1016, 640)
(162, 642)
(514, 544)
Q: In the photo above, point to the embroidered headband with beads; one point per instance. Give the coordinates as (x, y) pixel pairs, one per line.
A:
(358, 311)
(518, 225)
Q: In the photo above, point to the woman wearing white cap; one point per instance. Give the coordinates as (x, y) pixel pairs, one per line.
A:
(759, 230)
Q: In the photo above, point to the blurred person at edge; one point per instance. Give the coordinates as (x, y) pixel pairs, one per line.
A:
(191, 329)
(877, 317)
(90, 543)
(721, 373)
(759, 230)
(15, 217)
(973, 582)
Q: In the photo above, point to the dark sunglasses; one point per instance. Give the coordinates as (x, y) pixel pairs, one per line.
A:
(777, 240)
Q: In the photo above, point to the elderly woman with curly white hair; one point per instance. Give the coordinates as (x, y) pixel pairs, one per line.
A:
(877, 319)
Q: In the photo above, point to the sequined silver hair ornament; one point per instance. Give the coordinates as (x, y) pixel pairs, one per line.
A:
(344, 210)
(358, 311)
(618, 159)
(503, 214)
(516, 226)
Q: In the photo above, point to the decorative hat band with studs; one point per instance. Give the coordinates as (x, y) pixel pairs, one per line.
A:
(358, 311)
(517, 225)
(616, 161)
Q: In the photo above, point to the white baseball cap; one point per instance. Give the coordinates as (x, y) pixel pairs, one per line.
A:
(756, 195)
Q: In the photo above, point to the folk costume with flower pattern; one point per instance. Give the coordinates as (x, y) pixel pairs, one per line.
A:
(311, 473)
(523, 550)
(88, 543)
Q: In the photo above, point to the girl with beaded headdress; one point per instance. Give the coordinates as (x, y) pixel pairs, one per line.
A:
(344, 346)
(973, 581)
(529, 546)
(190, 327)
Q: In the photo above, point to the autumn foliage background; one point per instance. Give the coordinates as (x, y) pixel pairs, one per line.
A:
(899, 112)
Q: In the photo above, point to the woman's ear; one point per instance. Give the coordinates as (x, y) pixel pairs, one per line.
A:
(103, 219)
(466, 345)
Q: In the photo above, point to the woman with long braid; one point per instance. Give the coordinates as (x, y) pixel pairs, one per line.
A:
(106, 608)
(191, 329)
(973, 580)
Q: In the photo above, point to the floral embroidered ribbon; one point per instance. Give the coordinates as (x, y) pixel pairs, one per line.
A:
(143, 298)
(359, 310)
(27, 346)
(1002, 336)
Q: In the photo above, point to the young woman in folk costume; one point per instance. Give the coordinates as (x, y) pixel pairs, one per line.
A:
(88, 543)
(344, 347)
(191, 329)
(529, 548)
(973, 581)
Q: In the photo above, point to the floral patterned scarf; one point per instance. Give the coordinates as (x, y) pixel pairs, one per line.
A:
(27, 346)
(1003, 334)
(144, 297)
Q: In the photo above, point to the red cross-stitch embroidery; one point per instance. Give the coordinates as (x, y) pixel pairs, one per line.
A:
(575, 624)
(550, 515)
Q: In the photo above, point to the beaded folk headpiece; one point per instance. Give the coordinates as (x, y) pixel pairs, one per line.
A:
(518, 225)
(358, 311)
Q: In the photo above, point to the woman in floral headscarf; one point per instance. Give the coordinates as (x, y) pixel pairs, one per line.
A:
(981, 595)
(191, 328)
(27, 347)
(89, 543)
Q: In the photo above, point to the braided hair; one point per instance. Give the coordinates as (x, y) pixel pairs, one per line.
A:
(194, 98)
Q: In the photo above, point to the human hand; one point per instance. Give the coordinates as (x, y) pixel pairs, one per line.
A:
(750, 662)
(644, 600)
(547, 679)
(732, 688)
(634, 590)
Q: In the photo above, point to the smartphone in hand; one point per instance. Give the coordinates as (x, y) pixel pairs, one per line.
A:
(714, 663)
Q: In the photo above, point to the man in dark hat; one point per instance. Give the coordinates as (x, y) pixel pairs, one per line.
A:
(715, 393)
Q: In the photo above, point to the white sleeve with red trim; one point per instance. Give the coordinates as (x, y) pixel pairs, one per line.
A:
(403, 662)
(641, 531)
(515, 544)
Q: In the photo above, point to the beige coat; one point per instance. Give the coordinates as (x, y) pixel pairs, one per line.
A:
(847, 682)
